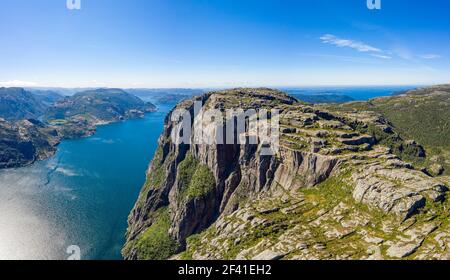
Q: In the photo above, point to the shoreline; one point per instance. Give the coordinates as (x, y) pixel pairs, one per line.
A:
(95, 125)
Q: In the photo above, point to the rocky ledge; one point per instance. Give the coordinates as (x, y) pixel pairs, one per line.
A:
(337, 188)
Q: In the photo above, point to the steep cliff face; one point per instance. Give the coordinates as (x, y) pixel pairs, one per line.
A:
(216, 201)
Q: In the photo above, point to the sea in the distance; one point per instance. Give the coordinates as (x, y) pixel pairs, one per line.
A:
(355, 93)
(82, 196)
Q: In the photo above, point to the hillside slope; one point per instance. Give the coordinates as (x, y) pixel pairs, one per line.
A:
(78, 115)
(18, 104)
(102, 104)
(422, 115)
(336, 189)
(24, 142)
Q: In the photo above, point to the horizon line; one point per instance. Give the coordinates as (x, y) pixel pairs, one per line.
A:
(228, 87)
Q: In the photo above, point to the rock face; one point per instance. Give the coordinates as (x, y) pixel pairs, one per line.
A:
(333, 189)
(396, 190)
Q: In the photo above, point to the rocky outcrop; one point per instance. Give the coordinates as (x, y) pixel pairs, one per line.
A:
(330, 178)
(396, 189)
(24, 142)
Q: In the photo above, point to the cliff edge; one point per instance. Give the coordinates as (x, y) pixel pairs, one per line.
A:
(340, 184)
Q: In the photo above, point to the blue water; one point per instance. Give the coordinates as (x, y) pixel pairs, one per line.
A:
(82, 196)
(356, 93)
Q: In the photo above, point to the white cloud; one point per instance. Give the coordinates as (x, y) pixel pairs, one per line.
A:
(430, 56)
(17, 83)
(381, 56)
(403, 52)
(359, 46)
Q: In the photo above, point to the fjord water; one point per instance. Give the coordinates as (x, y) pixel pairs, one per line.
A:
(81, 196)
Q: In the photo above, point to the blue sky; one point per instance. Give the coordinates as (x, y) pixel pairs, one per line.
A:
(223, 43)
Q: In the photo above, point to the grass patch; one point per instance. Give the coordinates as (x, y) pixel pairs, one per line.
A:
(419, 116)
(410, 153)
(202, 182)
(196, 179)
(155, 243)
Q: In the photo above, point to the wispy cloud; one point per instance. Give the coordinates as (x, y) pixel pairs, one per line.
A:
(399, 51)
(381, 56)
(430, 56)
(403, 52)
(355, 59)
(17, 83)
(346, 43)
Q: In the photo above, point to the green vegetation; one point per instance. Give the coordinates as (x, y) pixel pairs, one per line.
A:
(410, 153)
(324, 198)
(194, 242)
(157, 176)
(195, 178)
(155, 243)
(186, 169)
(202, 182)
(422, 115)
(425, 119)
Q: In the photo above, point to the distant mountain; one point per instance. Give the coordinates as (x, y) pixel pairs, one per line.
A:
(60, 91)
(100, 105)
(171, 98)
(165, 96)
(323, 98)
(18, 104)
(47, 97)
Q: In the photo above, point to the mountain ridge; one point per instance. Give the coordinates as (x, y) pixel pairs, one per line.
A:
(17, 104)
